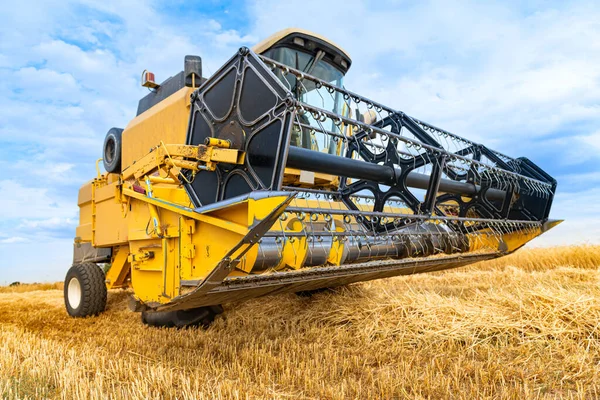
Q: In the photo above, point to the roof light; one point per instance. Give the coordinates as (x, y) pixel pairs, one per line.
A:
(148, 80)
(299, 41)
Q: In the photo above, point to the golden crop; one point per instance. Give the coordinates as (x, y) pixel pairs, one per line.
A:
(524, 326)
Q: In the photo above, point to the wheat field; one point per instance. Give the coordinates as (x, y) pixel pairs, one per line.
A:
(524, 326)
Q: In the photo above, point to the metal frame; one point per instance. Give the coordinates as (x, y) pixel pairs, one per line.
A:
(527, 190)
(221, 108)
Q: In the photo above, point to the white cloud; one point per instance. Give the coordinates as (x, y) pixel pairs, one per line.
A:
(233, 38)
(46, 82)
(48, 223)
(13, 239)
(592, 141)
(47, 170)
(21, 202)
(587, 179)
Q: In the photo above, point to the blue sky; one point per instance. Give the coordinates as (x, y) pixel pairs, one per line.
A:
(524, 80)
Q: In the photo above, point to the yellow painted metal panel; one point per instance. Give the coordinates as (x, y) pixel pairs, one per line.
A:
(110, 226)
(85, 214)
(84, 232)
(85, 193)
(167, 121)
(119, 269)
(104, 193)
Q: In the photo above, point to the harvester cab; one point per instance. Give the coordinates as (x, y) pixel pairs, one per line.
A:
(269, 176)
(313, 55)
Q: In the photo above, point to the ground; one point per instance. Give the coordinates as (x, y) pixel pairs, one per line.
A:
(526, 326)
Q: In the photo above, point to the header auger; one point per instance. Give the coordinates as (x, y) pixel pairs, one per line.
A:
(270, 177)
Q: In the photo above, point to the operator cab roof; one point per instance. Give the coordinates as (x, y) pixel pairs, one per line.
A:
(306, 41)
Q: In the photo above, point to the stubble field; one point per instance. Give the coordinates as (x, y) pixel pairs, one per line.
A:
(525, 326)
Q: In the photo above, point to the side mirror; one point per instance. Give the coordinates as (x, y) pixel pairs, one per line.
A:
(192, 71)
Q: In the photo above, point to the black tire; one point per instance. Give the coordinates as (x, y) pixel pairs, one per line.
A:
(85, 290)
(310, 293)
(201, 316)
(111, 151)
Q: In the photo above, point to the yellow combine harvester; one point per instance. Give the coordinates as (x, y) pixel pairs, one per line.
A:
(270, 177)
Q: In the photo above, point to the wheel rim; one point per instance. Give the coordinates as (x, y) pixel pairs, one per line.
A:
(109, 154)
(74, 293)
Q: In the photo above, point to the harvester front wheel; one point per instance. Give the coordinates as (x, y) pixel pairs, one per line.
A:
(85, 290)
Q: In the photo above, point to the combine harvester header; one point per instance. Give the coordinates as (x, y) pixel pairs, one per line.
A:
(270, 177)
